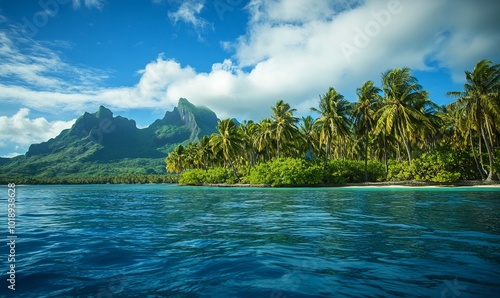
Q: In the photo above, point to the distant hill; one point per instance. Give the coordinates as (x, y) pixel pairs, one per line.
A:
(102, 144)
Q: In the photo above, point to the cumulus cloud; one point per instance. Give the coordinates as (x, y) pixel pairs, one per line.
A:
(291, 51)
(21, 131)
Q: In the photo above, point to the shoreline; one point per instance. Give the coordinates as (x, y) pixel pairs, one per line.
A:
(467, 183)
(402, 184)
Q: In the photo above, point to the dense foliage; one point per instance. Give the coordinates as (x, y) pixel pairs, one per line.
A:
(395, 132)
(61, 166)
(286, 171)
(212, 176)
(290, 171)
(115, 179)
(437, 166)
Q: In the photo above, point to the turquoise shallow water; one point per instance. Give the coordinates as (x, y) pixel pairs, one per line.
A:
(171, 241)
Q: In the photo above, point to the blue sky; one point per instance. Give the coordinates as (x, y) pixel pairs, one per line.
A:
(60, 58)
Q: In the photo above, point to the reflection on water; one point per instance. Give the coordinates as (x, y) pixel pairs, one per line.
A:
(164, 241)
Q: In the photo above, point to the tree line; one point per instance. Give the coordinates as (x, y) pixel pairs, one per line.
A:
(395, 124)
(116, 179)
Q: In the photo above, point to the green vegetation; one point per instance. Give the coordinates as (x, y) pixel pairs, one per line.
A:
(441, 165)
(115, 179)
(60, 166)
(394, 132)
(99, 146)
(286, 171)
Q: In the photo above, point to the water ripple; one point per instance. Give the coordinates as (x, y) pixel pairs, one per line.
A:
(170, 241)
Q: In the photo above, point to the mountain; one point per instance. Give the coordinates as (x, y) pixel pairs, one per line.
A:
(103, 144)
(185, 123)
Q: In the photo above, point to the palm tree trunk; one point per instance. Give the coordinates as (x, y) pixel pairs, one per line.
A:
(408, 150)
(366, 156)
(385, 156)
(491, 175)
(479, 169)
(327, 153)
(278, 146)
(490, 135)
(234, 169)
(481, 153)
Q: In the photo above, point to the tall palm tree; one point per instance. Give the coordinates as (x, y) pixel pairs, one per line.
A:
(229, 141)
(334, 119)
(400, 114)
(283, 123)
(480, 102)
(456, 131)
(364, 114)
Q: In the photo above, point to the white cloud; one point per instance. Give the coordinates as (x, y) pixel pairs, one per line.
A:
(291, 51)
(188, 13)
(297, 11)
(20, 131)
(40, 68)
(12, 154)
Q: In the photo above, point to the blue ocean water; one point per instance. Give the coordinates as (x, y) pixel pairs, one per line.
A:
(173, 241)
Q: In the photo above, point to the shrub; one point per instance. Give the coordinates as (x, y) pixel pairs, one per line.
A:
(286, 171)
(193, 177)
(218, 175)
(438, 166)
(435, 167)
(213, 176)
(400, 171)
(376, 171)
(351, 171)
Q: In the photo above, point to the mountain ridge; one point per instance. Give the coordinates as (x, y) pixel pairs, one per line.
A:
(98, 141)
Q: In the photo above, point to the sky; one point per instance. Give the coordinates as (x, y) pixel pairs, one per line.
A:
(60, 58)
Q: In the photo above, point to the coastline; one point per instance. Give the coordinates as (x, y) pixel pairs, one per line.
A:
(467, 183)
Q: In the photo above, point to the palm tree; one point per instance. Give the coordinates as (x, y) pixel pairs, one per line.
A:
(457, 132)
(175, 159)
(249, 132)
(333, 121)
(364, 114)
(428, 134)
(191, 160)
(264, 137)
(204, 151)
(400, 114)
(283, 123)
(480, 102)
(229, 141)
(308, 135)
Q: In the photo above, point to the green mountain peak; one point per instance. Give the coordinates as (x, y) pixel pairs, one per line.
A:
(104, 112)
(99, 143)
